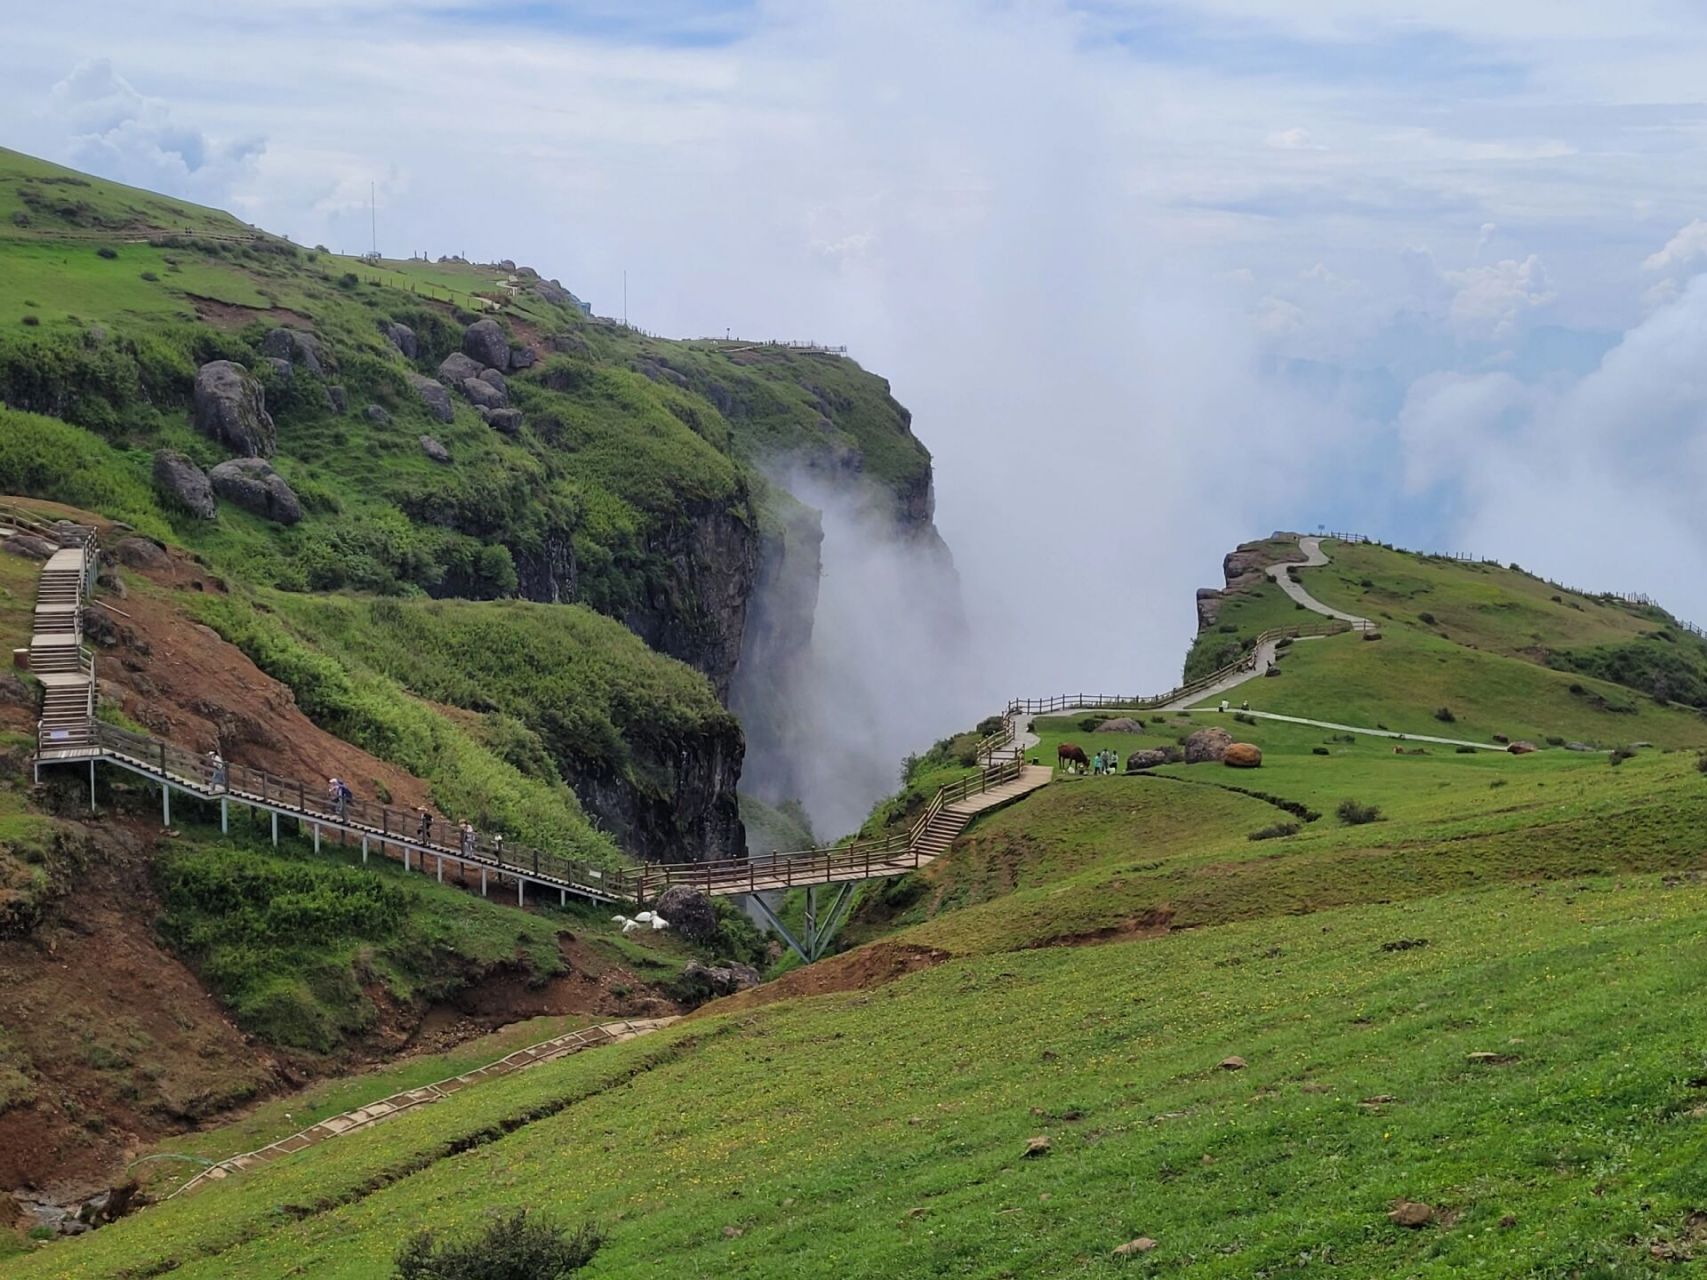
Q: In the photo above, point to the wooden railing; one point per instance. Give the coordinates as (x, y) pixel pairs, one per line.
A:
(815, 866)
(212, 780)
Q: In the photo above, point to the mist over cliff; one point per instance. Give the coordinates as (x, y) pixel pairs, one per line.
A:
(856, 651)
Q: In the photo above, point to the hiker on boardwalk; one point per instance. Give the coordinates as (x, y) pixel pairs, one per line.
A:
(498, 847)
(424, 828)
(335, 797)
(219, 773)
(467, 838)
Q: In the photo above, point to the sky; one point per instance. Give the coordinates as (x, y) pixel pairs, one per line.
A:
(1154, 278)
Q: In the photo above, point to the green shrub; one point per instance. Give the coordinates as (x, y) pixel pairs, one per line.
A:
(1620, 755)
(1466, 751)
(1319, 751)
(1426, 617)
(516, 1247)
(32, 320)
(1444, 715)
(1555, 741)
(1354, 814)
(1277, 831)
(107, 252)
(1244, 718)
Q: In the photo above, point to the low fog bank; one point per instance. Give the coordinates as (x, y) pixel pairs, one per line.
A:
(888, 668)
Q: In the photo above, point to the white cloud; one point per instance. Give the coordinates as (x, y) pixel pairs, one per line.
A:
(1490, 300)
(119, 133)
(1688, 245)
(1293, 140)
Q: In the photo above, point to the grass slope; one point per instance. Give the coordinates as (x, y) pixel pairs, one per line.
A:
(1572, 1154)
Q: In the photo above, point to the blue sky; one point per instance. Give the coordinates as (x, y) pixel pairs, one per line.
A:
(1202, 268)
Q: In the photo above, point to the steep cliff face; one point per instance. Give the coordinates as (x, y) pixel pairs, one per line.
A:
(694, 606)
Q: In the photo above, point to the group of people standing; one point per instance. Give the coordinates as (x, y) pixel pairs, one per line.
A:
(1105, 761)
(339, 797)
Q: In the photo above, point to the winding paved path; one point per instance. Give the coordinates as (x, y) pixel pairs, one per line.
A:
(1313, 559)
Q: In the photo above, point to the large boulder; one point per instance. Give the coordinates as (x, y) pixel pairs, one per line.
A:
(486, 342)
(1522, 748)
(1207, 746)
(252, 484)
(484, 394)
(456, 368)
(282, 368)
(718, 980)
(28, 546)
(296, 347)
(183, 483)
(436, 451)
(230, 407)
(434, 396)
(1121, 724)
(521, 357)
(1146, 759)
(402, 337)
(1242, 755)
(496, 379)
(509, 421)
(377, 413)
(140, 553)
(689, 913)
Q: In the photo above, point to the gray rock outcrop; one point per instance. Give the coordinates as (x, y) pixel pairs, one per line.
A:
(31, 547)
(689, 912)
(1121, 724)
(486, 342)
(521, 357)
(719, 980)
(285, 370)
(456, 368)
(493, 378)
(484, 394)
(296, 347)
(509, 421)
(377, 413)
(434, 396)
(1146, 759)
(183, 483)
(140, 553)
(403, 338)
(231, 407)
(251, 483)
(436, 451)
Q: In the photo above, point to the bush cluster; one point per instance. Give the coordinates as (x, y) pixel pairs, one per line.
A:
(1355, 814)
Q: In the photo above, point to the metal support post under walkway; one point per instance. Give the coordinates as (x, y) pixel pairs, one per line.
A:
(820, 927)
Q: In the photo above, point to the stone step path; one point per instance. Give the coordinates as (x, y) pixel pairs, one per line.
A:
(412, 1099)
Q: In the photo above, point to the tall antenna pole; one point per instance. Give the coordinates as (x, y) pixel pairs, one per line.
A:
(373, 220)
(625, 297)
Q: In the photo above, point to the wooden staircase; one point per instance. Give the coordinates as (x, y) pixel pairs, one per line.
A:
(947, 823)
(58, 658)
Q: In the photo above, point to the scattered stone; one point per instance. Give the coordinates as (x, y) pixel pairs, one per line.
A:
(1522, 748)
(1149, 758)
(337, 400)
(1404, 944)
(569, 344)
(28, 546)
(377, 413)
(230, 407)
(509, 421)
(1121, 724)
(496, 379)
(732, 1233)
(181, 481)
(689, 912)
(293, 346)
(1371, 635)
(402, 337)
(1484, 1058)
(252, 484)
(1207, 745)
(1038, 1146)
(1132, 1248)
(1508, 1221)
(1379, 1100)
(483, 393)
(456, 368)
(1234, 1063)
(139, 553)
(918, 1211)
(485, 341)
(285, 370)
(1242, 755)
(1411, 1213)
(521, 357)
(434, 396)
(1501, 738)
(438, 453)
